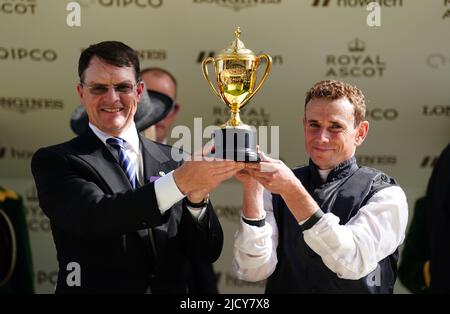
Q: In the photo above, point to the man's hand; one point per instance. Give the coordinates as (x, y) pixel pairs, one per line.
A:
(196, 179)
(274, 175)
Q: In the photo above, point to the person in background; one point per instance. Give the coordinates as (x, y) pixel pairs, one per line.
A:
(414, 268)
(162, 81)
(16, 263)
(438, 218)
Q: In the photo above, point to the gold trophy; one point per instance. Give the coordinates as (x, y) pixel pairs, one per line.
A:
(235, 74)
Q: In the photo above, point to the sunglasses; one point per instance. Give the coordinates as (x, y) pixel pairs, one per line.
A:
(101, 89)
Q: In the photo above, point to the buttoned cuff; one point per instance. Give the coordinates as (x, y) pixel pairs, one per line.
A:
(167, 192)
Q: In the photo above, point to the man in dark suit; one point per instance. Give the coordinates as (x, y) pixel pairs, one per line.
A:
(125, 216)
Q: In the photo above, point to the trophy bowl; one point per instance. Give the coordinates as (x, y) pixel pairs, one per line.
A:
(235, 76)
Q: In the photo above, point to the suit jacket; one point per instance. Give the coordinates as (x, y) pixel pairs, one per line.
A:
(112, 237)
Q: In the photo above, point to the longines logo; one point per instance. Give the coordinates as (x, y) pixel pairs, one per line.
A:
(438, 60)
(429, 161)
(355, 63)
(19, 7)
(437, 111)
(15, 153)
(389, 114)
(142, 4)
(33, 54)
(25, 105)
(36, 219)
(276, 59)
(237, 5)
(357, 3)
(377, 160)
(249, 115)
(149, 54)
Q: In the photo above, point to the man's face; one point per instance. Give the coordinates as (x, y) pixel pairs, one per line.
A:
(109, 109)
(330, 135)
(163, 84)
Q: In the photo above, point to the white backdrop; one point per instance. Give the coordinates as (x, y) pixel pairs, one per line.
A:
(403, 67)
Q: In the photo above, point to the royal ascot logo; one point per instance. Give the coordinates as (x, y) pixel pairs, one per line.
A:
(19, 7)
(378, 114)
(152, 54)
(238, 5)
(122, 4)
(376, 160)
(36, 219)
(356, 3)
(356, 63)
(438, 60)
(276, 59)
(22, 54)
(26, 105)
(436, 111)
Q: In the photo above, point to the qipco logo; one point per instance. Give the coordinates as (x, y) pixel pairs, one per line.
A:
(34, 54)
(377, 114)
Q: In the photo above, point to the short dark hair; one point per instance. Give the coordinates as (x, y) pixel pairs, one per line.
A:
(333, 90)
(112, 52)
(159, 71)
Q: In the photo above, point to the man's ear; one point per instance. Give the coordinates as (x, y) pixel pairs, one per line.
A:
(140, 88)
(361, 132)
(80, 92)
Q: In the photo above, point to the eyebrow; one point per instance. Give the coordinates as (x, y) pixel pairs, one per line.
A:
(103, 84)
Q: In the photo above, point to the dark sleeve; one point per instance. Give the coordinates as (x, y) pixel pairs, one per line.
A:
(438, 198)
(203, 240)
(416, 251)
(70, 195)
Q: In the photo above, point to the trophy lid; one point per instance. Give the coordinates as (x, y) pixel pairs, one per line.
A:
(237, 48)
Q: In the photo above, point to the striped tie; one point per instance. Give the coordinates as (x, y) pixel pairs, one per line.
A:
(124, 159)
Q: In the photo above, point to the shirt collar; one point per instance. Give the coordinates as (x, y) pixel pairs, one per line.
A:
(342, 170)
(130, 135)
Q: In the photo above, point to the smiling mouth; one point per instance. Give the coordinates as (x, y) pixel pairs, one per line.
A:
(112, 110)
(323, 149)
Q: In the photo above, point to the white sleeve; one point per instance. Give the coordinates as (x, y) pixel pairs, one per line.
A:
(353, 250)
(167, 192)
(255, 248)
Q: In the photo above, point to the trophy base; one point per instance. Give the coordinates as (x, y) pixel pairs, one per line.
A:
(238, 144)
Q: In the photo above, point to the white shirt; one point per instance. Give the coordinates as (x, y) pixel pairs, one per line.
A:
(166, 191)
(351, 251)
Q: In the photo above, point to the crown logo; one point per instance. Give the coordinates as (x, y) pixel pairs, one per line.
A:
(356, 46)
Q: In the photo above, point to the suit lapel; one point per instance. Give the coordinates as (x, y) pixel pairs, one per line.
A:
(154, 159)
(94, 152)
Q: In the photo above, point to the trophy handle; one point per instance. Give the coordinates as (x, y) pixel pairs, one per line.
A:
(206, 74)
(263, 79)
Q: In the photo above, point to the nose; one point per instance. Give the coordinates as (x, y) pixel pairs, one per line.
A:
(324, 135)
(111, 95)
